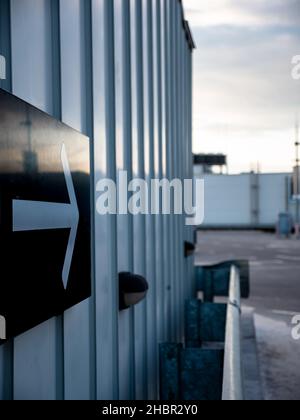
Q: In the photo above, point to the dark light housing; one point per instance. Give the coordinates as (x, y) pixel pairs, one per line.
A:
(132, 290)
(189, 249)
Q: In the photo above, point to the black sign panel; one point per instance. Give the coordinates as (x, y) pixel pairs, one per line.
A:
(45, 257)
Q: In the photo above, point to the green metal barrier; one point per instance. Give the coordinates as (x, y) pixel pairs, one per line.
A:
(214, 280)
(204, 323)
(195, 371)
(191, 374)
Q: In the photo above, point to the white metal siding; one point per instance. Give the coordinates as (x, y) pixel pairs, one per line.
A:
(272, 197)
(119, 71)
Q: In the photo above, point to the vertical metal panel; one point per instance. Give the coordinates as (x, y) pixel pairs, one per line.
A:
(177, 175)
(235, 192)
(176, 163)
(189, 102)
(106, 276)
(174, 158)
(184, 284)
(57, 113)
(179, 115)
(192, 230)
(152, 361)
(76, 112)
(75, 70)
(170, 169)
(184, 152)
(124, 163)
(6, 371)
(36, 354)
(34, 360)
(165, 168)
(226, 189)
(272, 197)
(140, 326)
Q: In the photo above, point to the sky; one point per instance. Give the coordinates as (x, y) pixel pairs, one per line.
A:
(245, 99)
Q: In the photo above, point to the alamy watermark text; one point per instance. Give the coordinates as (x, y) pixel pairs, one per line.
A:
(153, 197)
(296, 328)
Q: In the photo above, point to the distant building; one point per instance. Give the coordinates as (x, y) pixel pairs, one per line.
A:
(248, 200)
(204, 163)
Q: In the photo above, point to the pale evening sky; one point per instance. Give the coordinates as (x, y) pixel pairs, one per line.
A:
(245, 100)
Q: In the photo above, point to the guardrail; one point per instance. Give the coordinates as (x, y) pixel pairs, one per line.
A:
(208, 365)
(232, 378)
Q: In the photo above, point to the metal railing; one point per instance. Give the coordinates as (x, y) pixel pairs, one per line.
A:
(232, 380)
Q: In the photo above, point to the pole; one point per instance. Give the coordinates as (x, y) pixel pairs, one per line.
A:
(297, 183)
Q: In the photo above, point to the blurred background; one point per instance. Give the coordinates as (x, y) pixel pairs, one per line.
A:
(246, 141)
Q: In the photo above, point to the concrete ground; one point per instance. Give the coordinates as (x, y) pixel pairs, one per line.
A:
(275, 300)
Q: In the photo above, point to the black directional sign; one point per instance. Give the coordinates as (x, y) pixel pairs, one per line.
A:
(45, 256)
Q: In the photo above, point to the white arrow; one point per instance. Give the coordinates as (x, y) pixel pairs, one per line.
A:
(37, 215)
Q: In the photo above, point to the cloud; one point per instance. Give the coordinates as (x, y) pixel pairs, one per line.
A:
(244, 96)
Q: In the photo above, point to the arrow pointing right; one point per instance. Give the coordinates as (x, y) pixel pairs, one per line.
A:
(37, 215)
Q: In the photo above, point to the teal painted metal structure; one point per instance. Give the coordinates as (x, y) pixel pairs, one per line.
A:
(191, 374)
(210, 357)
(204, 322)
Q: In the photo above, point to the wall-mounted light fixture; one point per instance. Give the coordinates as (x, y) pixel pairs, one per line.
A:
(189, 249)
(132, 290)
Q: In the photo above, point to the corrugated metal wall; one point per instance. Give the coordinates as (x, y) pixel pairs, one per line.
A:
(119, 71)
